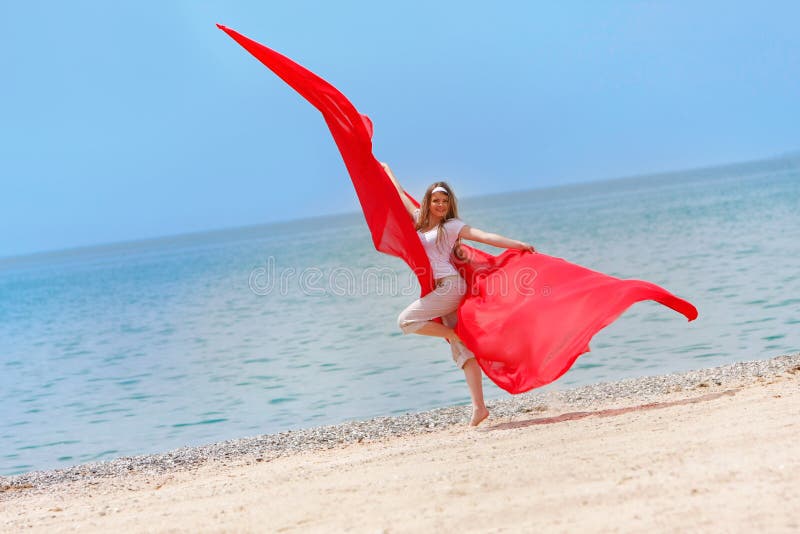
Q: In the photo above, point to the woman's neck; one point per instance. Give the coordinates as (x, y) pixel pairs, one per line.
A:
(434, 220)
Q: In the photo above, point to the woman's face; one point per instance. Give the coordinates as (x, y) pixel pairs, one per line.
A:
(440, 203)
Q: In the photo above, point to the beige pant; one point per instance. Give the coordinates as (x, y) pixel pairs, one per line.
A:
(442, 302)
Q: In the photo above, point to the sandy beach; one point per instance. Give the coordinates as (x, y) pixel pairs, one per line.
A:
(712, 450)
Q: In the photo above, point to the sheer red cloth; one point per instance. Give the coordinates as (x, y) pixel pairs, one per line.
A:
(527, 317)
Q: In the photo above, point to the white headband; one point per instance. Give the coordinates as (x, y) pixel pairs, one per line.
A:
(438, 189)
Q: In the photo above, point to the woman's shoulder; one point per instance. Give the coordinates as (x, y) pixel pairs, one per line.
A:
(454, 225)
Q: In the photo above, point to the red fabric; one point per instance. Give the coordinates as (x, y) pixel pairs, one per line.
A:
(527, 317)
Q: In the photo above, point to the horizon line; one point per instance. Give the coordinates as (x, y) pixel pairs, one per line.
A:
(76, 249)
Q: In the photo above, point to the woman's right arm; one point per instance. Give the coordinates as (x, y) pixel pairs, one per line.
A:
(410, 207)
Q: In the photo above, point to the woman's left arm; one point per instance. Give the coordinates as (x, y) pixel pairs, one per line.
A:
(474, 234)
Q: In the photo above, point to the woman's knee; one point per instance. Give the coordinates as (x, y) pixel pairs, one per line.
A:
(408, 325)
(401, 322)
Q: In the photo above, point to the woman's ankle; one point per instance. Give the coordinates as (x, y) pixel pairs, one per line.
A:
(478, 415)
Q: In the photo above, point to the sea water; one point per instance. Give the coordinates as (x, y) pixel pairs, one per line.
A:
(147, 346)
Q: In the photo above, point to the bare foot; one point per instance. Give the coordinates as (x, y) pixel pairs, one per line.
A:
(478, 415)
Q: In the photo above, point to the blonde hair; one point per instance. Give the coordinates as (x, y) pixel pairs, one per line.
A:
(425, 209)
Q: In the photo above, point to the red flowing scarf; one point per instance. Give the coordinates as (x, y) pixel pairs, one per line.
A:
(526, 316)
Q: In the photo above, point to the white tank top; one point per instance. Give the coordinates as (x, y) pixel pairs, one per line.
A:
(439, 253)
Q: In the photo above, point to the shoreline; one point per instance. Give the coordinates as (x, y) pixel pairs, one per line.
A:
(632, 393)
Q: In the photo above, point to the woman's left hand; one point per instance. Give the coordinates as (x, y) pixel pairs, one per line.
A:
(527, 247)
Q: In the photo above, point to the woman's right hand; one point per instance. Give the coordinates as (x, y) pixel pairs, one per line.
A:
(390, 174)
(410, 207)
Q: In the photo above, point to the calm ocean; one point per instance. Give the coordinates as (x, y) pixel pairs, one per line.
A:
(147, 346)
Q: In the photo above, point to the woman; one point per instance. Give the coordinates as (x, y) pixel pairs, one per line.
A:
(439, 229)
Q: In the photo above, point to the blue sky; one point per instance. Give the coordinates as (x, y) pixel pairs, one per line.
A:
(123, 121)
